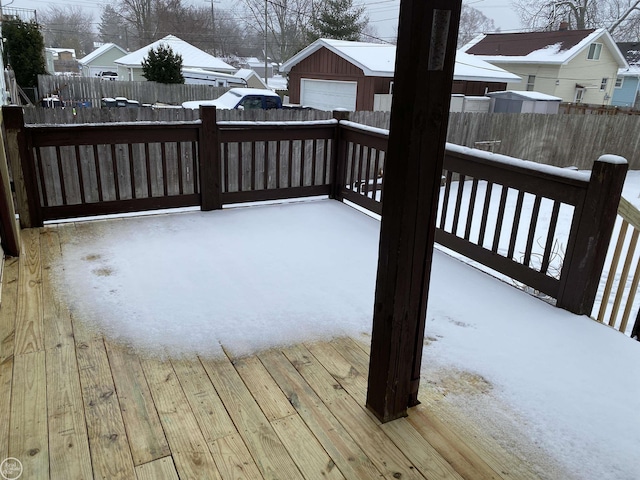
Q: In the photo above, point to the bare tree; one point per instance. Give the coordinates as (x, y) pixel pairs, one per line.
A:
(620, 17)
(472, 23)
(68, 27)
(286, 24)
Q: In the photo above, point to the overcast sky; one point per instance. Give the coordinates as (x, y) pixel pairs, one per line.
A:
(383, 14)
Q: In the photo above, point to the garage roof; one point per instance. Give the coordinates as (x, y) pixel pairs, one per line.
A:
(378, 60)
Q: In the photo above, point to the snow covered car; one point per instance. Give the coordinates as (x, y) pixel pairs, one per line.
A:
(241, 99)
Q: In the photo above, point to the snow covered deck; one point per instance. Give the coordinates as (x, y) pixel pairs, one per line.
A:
(77, 404)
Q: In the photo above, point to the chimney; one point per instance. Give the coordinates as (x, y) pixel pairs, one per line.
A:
(564, 26)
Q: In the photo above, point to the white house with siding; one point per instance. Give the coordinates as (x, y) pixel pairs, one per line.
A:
(130, 66)
(101, 60)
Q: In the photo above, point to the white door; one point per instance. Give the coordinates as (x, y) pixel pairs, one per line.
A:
(328, 94)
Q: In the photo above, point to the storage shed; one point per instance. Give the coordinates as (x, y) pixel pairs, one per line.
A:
(511, 101)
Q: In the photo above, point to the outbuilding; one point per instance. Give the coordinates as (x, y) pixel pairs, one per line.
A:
(511, 101)
(330, 74)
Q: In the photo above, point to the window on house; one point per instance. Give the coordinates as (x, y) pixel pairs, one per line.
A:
(579, 95)
(603, 84)
(594, 51)
(531, 80)
(619, 82)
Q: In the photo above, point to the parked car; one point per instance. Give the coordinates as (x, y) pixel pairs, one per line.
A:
(107, 75)
(241, 99)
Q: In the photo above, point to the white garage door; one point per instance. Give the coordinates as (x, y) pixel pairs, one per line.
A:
(328, 94)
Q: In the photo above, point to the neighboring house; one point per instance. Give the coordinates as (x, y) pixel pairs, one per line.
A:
(101, 60)
(130, 66)
(576, 65)
(251, 77)
(625, 92)
(61, 60)
(330, 74)
(257, 66)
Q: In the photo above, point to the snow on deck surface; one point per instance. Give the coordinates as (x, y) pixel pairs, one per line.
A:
(251, 278)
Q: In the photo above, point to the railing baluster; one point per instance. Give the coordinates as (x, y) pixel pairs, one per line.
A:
(132, 176)
(445, 200)
(45, 199)
(352, 157)
(314, 162)
(63, 190)
(551, 233)
(165, 173)
(179, 158)
(147, 164)
(266, 165)
(253, 166)
(499, 219)
(278, 163)
(516, 224)
(532, 230)
(472, 207)
(240, 159)
(80, 174)
(456, 211)
(290, 168)
(325, 161)
(367, 173)
(96, 161)
(485, 213)
(194, 155)
(114, 163)
(376, 171)
(225, 166)
(303, 148)
(622, 234)
(623, 277)
(632, 295)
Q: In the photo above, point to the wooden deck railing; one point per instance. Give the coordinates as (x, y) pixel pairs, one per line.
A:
(473, 219)
(78, 170)
(617, 313)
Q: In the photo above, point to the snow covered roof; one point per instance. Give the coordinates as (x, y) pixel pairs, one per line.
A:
(555, 47)
(526, 95)
(247, 73)
(631, 52)
(374, 59)
(99, 51)
(378, 60)
(472, 68)
(192, 57)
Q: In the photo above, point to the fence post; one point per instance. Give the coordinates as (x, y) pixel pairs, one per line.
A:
(208, 154)
(9, 229)
(338, 160)
(590, 235)
(22, 167)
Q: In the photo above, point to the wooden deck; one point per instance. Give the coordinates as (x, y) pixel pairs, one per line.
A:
(75, 405)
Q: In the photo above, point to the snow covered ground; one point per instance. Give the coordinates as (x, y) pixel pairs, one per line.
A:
(251, 278)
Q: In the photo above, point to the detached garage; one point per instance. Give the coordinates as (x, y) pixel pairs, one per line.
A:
(338, 74)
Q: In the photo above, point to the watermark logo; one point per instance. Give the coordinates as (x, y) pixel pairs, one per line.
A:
(11, 468)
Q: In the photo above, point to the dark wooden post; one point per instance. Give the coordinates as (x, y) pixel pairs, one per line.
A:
(20, 158)
(338, 158)
(419, 115)
(9, 229)
(635, 331)
(209, 155)
(590, 235)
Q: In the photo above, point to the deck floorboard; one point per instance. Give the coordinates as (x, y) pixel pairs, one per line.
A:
(74, 404)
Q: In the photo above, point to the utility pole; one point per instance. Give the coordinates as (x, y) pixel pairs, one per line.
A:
(213, 28)
(266, 3)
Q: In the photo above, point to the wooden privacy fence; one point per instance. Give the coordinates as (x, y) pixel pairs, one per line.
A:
(77, 170)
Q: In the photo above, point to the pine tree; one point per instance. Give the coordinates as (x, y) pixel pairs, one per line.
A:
(339, 20)
(163, 66)
(24, 51)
